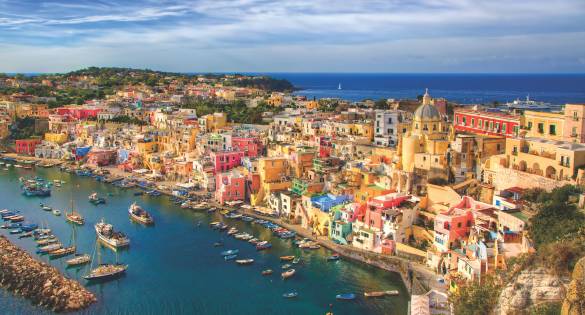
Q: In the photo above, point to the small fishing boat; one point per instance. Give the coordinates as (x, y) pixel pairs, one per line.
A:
(285, 266)
(230, 257)
(217, 244)
(74, 216)
(46, 208)
(28, 227)
(333, 257)
(345, 296)
(290, 295)
(287, 274)
(296, 260)
(232, 231)
(392, 292)
(244, 261)
(15, 231)
(78, 260)
(57, 212)
(263, 245)
(95, 199)
(314, 246)
(374, 294)
(49, 248)
(287, 258)
(230, 252)
(109, 236)
(140, 215)
(267, 272)
(47, 241)
(254, 241)
(17, 218)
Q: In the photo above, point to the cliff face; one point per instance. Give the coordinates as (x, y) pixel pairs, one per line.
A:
(39, 282)
(531, 287)
(574, 303)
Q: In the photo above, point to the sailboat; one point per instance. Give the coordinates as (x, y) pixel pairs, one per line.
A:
(105, 271)
(339, 87)
(65, 251)
(74, 216)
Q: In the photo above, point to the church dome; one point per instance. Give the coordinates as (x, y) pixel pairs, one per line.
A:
(427, 112)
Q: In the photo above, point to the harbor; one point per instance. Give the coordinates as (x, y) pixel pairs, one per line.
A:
(178, 251)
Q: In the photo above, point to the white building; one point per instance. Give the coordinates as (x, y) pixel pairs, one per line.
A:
(386, 127)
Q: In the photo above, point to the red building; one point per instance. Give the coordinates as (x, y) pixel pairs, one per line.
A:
(325, 147)
(26, 146)
(79, 112)
(225, 161)
(486, 123)
(251, 146)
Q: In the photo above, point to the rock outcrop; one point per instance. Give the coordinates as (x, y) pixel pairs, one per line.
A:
(574, 303)
(530, 288)
(39, 282)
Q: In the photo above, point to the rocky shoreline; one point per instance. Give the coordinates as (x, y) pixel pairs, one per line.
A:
(39, 282)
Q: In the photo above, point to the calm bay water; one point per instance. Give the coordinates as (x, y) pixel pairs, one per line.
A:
(558, 89)
(173, 267)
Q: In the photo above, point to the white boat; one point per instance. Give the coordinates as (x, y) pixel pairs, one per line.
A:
(529, 104)
(140, 215)
(57, 212)
(106, 234)
(78, 260)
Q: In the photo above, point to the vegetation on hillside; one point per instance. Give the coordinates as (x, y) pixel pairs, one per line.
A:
(236, 111)
(476, 298)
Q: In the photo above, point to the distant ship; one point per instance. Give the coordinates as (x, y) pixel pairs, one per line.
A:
(529, 104)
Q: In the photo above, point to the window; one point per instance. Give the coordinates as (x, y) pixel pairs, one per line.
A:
(540, 127)
(389, 120)
(457, 119)
(574, 132)
(464, 121)
(552, 130)
(575, 116)
(529, 125)
(480, 123)
(504, 127)
(497, 127)
(491, 125)
(472, 122)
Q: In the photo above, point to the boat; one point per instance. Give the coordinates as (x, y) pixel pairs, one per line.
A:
(287, 258)
(296, 260)
(27, 234)
(16, 218)
(140, 215)
(217, 244)
(244, 261)
(16, 231)
(314, 246)
(267, 272)
(28, 227)
(333, 257)
(74, 216)
(230, 252)
(78, 260)
(345, 296)
(529, 104)
(263, 245)
(286, 266)
(49, 248)
(105, 271)
(57, 212)
(290, 295)
(106, 234)
(232, 231)
(287, 274)
(61, 252)
(339, 86)
(230, 257)
(381, 293)
(46, 208)
(47, 241)
(94, 199)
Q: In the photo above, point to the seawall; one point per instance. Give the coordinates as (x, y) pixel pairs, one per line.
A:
(39, 282)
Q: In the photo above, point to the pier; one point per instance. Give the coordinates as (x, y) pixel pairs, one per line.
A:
(38, 282)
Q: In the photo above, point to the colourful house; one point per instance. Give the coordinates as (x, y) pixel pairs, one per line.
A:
(26, 146)
(226, 160)
(251, 146)
(230, 187)
(340, 226)
(453, 225)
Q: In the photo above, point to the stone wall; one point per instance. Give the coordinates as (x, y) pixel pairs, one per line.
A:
(501, 178)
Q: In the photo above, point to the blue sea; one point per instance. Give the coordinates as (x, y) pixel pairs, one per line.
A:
(557, 89)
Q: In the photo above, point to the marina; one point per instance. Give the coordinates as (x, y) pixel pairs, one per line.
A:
(193, 247)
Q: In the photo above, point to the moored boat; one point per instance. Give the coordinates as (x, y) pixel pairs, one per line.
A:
(244, 261)
(287, 258)
(287, 274)
(109, 236)
(140, 215)
(106, 271)
(345, 296)
(333, 257)
(374, 294)
(95, 199)
(267, 272)
(57, 212)
(230, 257)
(61, 252)
(290, 295)
(230, 252)
(78, 260)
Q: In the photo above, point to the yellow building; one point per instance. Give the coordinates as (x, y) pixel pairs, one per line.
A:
(58, 138)
(312, 105)
(147, 147)
(274, 176)
(558, 160)
(544, 125)
(212, 122)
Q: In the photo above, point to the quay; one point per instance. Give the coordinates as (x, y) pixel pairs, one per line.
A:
(37, 281)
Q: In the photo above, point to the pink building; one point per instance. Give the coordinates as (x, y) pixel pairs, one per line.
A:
(376, 206)
(229, 187)
(79, 112)
(102, 157)
(251, 146)
(455, 224)
(26, 146)
(226, 160)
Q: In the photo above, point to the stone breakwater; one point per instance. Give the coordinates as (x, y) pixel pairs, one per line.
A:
(39, 282)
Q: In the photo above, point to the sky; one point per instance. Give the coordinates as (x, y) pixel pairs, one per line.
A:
(422, 36)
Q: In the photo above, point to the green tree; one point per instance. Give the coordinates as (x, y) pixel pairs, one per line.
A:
(475, 298)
